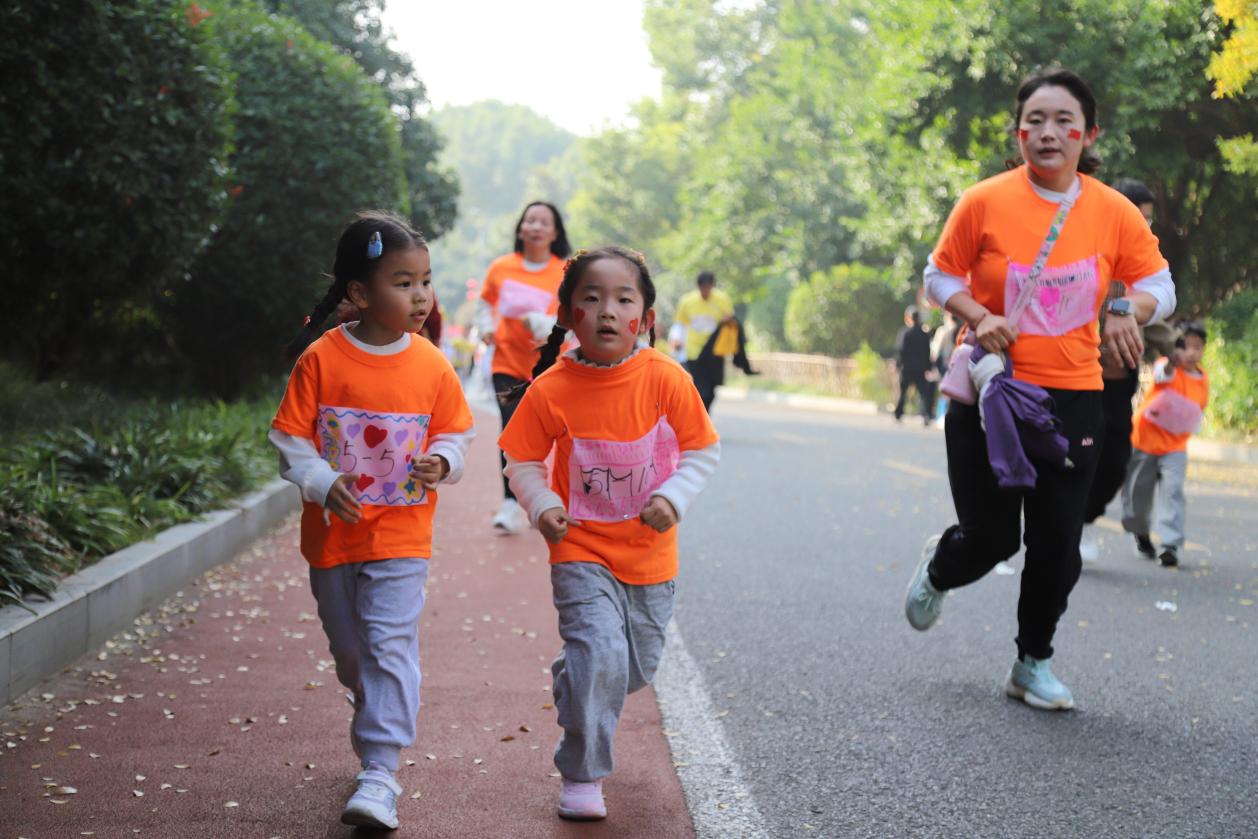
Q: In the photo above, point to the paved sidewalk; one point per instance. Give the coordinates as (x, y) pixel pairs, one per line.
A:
(220, 716)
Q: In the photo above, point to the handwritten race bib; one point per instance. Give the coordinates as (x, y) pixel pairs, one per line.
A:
(517, 299)
(1064, 300)
(612, 481)
(377, 447)
(1174, 412)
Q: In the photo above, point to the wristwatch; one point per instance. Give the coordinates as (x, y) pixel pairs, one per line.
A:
(1120, 306)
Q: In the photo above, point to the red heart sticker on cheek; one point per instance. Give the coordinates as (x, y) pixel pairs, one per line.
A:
(1024, 134)
(633, 326)
(1075, 134)
(578, 315)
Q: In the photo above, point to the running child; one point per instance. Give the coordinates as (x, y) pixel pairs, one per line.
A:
(1171, 413)
(633, 447)
(372, 421)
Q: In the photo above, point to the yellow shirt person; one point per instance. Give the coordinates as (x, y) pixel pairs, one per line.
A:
(701, 315)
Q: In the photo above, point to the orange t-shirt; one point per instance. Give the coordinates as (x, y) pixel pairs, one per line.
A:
(617, 434)
(371, 415)
(994, 235)
(515, 292)
(1171, 412)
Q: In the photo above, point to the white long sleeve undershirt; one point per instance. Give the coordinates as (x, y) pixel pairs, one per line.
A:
(694, 468)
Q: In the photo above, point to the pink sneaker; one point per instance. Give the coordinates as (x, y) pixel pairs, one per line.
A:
(580, 801)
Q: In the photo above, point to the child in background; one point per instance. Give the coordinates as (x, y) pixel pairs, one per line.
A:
(372, 421)
(1171, 412)
(633, 447)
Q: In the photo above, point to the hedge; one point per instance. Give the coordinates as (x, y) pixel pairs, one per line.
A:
(115, 127)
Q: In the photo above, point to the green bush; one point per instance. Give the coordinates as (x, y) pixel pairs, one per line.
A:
(1231, 361)
(111, 473)
(871, 375)
(315, 140)
(838, 310)
(114, 135)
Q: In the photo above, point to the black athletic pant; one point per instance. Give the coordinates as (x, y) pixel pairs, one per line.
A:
(503, 386)
(925, 392)
(990, 519)
(708, 371)
(1111, 466)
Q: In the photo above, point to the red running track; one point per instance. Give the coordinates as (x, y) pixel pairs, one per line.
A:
(219, 715)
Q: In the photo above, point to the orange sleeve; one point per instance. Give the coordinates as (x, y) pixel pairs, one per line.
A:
(298, 413)
(450, 414)
(489, 288)
(687, 416)
(1138, 253)
(532, 431)
(962, 236)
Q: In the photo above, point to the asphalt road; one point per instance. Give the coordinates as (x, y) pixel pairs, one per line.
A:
(847, 723)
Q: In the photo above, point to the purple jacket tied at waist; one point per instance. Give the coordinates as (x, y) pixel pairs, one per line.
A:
(1020, 425)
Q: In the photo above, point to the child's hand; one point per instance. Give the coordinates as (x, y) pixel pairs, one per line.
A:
(430, 469)
(658, 514)
(341, 500)
(554, 524)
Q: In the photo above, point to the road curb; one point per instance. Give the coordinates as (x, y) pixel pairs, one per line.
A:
(1213, 450)
(93, 605)
(799, 400)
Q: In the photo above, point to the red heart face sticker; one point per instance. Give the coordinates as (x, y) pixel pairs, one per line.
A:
(1023, 133)
(578, 315)
(363, 482)
(1075, 134)
(633, 326)
(373, 435)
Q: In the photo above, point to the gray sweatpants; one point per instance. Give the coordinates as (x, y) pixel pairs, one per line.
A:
(613, 637)
(370, 613)
(1144, 472)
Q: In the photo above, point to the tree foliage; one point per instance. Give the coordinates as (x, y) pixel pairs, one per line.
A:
(837, 311)
(114, 135)
(315, 139)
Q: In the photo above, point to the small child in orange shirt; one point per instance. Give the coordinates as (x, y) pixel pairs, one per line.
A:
(1171, 413)
(633, 446)
(373, 419)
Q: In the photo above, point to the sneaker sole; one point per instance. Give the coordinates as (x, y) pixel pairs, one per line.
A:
(1020, 693)
(362, 818)
(927, 556)
(581, 815)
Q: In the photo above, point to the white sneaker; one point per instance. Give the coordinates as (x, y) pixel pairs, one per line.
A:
(510, 517)
(1088, 549)
(374, 803)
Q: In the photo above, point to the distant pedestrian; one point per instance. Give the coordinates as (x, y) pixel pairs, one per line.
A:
(1171, 413)
(942, 343)
(912, 360)
(373, 419)
(702, 312)
(515, 314)
(1120, 382)
(632, 447)
(1047, 238)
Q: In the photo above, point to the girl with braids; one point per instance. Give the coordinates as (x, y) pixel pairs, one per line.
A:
(516, 312)
(633, 447)
(373, 419)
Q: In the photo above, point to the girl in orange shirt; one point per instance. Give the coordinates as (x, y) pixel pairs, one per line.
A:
(516, 313)
(632, 447)
(993, 238)
(373, 419)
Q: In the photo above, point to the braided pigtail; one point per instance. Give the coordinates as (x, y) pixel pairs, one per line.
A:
(314, 323)
(550, 354)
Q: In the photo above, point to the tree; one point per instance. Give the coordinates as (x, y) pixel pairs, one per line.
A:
(1232, 67)
(315, 139)
(836, 311)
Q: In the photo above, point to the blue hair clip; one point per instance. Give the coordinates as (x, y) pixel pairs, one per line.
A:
(375, 246)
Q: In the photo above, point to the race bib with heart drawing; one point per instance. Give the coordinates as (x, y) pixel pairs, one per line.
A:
(611, 481)
(517, 299)
(379, 449)
(1064, 300)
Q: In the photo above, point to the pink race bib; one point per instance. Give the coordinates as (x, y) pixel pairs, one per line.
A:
(613, 481)
(1064, 300)
(377, 447)
(517, 299)
(1174, 412)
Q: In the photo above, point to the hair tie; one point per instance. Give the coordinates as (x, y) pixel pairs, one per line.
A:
(375, 246)
(306, 322)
